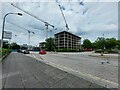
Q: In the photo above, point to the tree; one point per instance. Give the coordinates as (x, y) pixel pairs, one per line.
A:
(111, 43)
(50, 44)
(6, 45)
(118, 44)
(87, 44)
(100, 43)
(15, 46)
(94, 46)
(108, 43)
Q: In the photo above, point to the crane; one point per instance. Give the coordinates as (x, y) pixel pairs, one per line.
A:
(29, 32)
(46, 23)
(67, 28)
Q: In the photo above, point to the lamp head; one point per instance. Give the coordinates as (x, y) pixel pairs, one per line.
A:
(19, 14)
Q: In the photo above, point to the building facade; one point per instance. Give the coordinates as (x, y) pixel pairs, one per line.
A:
(67, 40)
(42, 45)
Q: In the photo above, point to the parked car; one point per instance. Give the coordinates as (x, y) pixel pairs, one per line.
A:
(26, 52)
(42, 52)
(22, 51)
(19, 50)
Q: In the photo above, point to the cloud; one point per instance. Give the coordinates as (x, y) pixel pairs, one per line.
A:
(98, 18)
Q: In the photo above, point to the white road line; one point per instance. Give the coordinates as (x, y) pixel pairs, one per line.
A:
(33, 55)
(9, 75)
(89, 77)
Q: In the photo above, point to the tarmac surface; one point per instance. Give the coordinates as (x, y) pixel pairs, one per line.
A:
(21, 71)
(102, 70)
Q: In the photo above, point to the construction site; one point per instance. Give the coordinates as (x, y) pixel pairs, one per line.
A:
(66, 40)
(52, 45)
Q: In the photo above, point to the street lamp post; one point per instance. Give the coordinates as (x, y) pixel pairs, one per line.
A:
(4, 26)
(103, 46)
(103, 42)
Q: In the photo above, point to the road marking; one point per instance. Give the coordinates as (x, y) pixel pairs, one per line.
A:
(33, 55)
(89, 77)
(9, 75)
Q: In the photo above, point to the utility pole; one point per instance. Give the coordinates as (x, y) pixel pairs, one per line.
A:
(103, 49)
(46, 26)
(103, 42)
(28, 37)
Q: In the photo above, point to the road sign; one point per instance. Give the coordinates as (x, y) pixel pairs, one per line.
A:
(7, 35)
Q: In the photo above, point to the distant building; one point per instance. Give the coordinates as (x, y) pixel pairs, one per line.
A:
(30, 47)
(67, 40)
(42, 45)
(25, 46)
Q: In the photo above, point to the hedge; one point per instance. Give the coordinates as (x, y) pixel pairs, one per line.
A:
(66, 50)
(106, 51)
(4, 52)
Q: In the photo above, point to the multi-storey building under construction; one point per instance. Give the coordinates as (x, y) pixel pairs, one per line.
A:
(67, 40)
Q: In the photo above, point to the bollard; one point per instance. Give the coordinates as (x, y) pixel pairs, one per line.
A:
(101, 53)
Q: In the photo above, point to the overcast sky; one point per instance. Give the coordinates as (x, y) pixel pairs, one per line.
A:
(85, 19)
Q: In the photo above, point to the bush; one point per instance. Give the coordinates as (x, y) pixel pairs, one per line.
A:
(112, 51)
(66, 50)
(106, 51)
(4, 52)
(98, 51)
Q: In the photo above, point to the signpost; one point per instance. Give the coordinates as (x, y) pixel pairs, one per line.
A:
(7, 35)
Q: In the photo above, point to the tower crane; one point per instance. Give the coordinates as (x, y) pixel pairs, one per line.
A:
(67, 28)
(29, 32)
(46, 23)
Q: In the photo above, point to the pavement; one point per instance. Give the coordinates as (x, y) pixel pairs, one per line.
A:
(102, 71)
(21, 71)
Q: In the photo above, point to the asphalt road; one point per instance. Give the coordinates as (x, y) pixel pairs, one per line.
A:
(21, 71)
(85, 65)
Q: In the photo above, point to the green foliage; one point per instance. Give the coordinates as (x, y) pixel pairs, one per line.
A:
(15, 46)
(50, 44)
(106, 51)
(100, 43)
(66, 50)
(108, 43)
(94, 45)
(4, 52)
(111, 43)
(87, 43)
(5, 45)
(98, 50)
(118, 44)
(113, 51)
